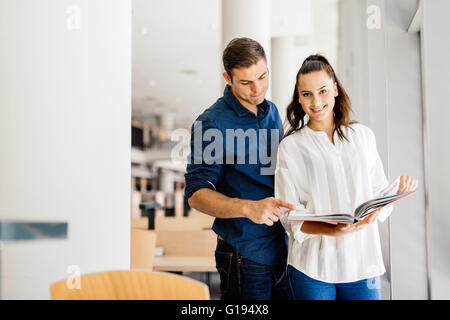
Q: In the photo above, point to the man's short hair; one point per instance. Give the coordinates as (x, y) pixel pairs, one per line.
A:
(241, 53)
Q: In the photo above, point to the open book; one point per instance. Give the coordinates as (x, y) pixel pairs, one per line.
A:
(387, 197)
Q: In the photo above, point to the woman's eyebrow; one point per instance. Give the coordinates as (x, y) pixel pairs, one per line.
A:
(316, 90)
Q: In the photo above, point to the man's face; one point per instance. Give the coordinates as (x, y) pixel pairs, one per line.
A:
(249, 85)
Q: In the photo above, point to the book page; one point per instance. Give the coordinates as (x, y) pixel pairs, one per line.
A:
(391, 189)
(301, 214)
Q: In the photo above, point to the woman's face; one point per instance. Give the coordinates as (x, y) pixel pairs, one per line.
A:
(317, 92)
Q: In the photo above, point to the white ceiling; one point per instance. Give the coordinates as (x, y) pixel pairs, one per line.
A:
(176, 57)
(177, 49)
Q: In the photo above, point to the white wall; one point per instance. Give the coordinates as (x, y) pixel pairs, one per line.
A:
(382, 72)
(325, 17)
(405, 149)
(436, 67)
(65, 94)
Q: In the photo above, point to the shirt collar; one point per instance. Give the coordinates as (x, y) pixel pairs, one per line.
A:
(237, 107)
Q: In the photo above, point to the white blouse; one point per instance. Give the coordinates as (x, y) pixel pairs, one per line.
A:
(322, 177)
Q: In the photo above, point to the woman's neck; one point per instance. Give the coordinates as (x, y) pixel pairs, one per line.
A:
(326, 125)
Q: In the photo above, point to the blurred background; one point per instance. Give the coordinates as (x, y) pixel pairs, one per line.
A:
(96, 103)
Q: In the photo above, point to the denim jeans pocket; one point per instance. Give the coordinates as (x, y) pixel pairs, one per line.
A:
(252, 267)
(256, 280)
(223, 266)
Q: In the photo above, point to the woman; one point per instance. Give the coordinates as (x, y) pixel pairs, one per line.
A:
(330, 164)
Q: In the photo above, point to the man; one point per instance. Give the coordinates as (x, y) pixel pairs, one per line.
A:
(233, 186)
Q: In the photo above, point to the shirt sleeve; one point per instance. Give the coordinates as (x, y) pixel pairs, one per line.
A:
(378, 177)
(204, 168)
(285, 182)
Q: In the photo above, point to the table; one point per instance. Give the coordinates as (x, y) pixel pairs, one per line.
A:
(185, 263)
(180, 264)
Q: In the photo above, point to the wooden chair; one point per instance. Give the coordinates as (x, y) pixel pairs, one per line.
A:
(142, 248)
(137, 221)
(194, 221)
(132, 285)
(183, 223)
(187, 243)
(142, 244)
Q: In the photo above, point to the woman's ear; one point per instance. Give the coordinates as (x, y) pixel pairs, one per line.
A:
(336, 91)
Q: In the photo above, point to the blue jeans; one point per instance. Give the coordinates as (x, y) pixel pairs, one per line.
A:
(306, 288)
(244, 279)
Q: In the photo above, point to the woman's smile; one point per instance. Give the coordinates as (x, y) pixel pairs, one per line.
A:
(317, 110)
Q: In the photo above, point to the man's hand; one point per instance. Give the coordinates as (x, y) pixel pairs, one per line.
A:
(267, 211)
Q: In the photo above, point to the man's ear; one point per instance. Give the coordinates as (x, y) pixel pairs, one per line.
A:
(227, 78)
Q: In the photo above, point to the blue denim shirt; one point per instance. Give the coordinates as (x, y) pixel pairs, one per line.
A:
(238, 170)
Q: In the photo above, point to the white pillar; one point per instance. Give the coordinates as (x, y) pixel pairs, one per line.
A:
(167, 181)
(167, 122)
(249, 18)
(283, 70)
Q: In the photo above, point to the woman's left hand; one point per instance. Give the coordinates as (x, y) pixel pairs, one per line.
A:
(346, 228)
(407, 183)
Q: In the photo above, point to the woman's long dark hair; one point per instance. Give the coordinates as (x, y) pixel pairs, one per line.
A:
(342, 108)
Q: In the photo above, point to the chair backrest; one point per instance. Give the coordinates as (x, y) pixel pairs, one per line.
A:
(132, 285)
(183, 223)
(142, 248)
(187, 243)
(136, 198)
(137, 221)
